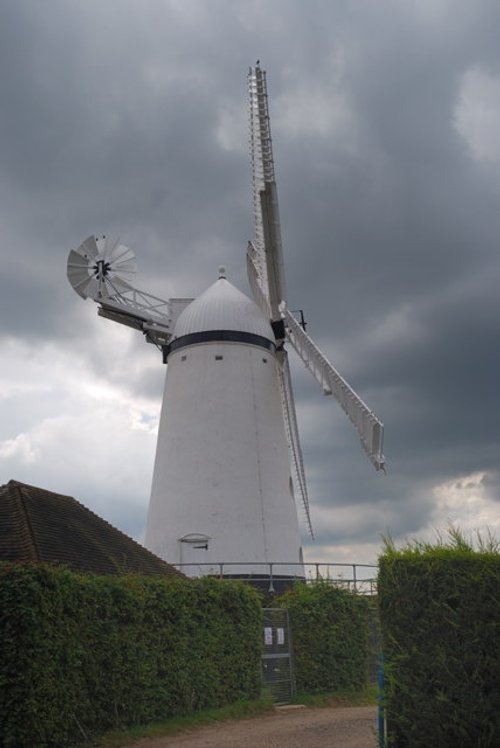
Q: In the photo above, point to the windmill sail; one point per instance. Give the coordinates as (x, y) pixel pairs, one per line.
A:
(292, 432)
(267, 243)
(266, 272)
(256, 274)
(267, 281)
(370, 429)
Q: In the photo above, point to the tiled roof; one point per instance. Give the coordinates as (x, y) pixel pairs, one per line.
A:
(42, 526)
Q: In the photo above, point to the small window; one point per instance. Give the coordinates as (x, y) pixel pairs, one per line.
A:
(218, 358)
(264, 360)
(183, 358)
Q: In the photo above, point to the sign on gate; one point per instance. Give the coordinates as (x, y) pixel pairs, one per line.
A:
(277, 655)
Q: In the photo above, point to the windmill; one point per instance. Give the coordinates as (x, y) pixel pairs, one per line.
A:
(229, 470)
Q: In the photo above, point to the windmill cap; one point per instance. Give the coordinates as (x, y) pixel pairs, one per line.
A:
(223, 307)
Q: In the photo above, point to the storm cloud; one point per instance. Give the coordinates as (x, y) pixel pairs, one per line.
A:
(129, 119)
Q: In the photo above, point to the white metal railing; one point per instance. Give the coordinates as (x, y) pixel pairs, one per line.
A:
(359, 578)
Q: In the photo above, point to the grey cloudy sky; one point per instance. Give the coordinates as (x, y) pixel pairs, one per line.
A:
(128, 118)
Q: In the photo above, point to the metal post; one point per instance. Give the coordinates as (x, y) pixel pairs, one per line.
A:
(381, 706)
(271, 585)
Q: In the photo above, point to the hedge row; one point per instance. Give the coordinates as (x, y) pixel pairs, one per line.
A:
(82, 654)
(440, 618)
(330, 637)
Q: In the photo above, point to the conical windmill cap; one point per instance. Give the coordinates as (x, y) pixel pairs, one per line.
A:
(223, 307)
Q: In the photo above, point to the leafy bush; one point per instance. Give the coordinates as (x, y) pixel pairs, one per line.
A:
(440, 614)
(82, 654)
(330, 637)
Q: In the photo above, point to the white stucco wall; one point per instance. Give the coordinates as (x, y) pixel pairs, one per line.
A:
(222, 467)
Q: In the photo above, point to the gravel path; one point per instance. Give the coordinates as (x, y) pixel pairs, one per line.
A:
(328, 727)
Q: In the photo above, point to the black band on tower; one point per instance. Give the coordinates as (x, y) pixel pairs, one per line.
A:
(217, 336)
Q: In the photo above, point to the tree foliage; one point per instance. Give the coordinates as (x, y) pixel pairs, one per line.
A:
(330, 637)
(82, 654)
(440, 619)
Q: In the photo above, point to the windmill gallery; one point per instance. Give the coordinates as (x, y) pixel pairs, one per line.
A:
(228, 469)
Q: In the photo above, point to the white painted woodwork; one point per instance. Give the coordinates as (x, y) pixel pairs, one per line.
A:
(222, 469)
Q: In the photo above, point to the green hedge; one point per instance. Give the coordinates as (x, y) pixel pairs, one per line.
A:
(440, 618)
(330, 637)
(82, 654)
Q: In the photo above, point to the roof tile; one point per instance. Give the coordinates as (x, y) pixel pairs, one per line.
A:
(39, 525)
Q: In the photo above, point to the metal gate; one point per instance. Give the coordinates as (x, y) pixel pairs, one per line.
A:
(277, 655)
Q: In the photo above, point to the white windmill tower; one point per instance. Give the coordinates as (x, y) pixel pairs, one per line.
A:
(228, 462)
